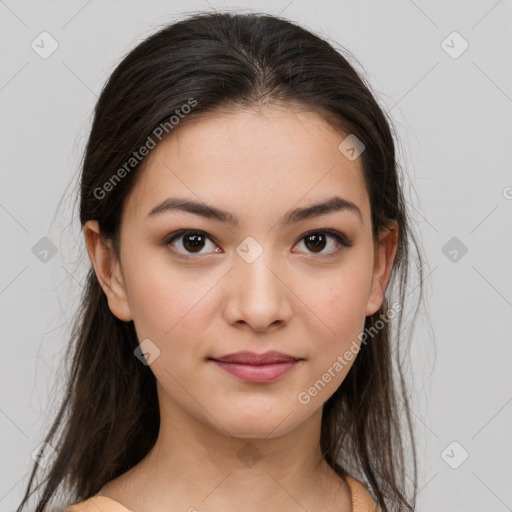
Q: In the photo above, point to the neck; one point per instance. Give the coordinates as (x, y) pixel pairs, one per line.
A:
(194, 467)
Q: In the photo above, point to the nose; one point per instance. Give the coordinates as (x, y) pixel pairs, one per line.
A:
(258, 295)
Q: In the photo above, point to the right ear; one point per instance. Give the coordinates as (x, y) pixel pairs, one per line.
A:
(108, 270)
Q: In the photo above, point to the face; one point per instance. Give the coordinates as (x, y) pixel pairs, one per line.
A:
(263, 272)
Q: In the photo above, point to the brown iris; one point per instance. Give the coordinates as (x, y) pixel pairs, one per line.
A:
(316, 242)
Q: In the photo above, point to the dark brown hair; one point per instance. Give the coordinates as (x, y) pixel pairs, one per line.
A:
(109, 417)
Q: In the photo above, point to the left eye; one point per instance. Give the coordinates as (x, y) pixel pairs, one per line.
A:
(316, 241)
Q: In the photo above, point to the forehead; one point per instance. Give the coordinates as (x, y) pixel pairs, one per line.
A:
(240, 159)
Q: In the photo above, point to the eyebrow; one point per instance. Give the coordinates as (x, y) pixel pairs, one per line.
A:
(335, 204)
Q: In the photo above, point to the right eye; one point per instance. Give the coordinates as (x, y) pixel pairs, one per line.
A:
(192, 242)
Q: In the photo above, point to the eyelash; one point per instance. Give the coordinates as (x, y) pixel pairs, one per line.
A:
(342, 240)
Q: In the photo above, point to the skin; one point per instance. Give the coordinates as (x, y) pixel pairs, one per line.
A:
(257, 165)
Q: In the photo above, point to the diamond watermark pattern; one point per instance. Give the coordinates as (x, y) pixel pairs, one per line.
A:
(249, 250)
(44, 455)
(454, 455)
(249, 455)
(44, 250)
(454, 249)
(147, 352)
(351, 147)
(454, 45)
(44, 45)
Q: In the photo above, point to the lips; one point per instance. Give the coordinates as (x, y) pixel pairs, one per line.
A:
(257, 359)
(252, 367)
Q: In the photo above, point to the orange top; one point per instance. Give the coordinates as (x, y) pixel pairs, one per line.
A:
(361, 501)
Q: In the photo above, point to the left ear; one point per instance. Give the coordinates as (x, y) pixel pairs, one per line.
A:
(385, 251)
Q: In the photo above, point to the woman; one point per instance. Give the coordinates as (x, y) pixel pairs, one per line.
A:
(243, 214)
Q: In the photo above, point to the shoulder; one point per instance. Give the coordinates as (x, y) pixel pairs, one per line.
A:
(96, 503)
(361, 498)
(361, 501)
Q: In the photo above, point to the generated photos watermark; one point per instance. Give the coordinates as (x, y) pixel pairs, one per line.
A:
(136, 157)
(304, 397)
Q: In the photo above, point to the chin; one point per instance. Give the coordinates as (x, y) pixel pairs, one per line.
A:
(257, 424)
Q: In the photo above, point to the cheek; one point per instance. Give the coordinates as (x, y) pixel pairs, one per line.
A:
(336, 334)
(169, 304)
(341, 309)
(347, 302)
(341, 301)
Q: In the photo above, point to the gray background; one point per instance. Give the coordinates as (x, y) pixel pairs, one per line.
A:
(453, 114)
